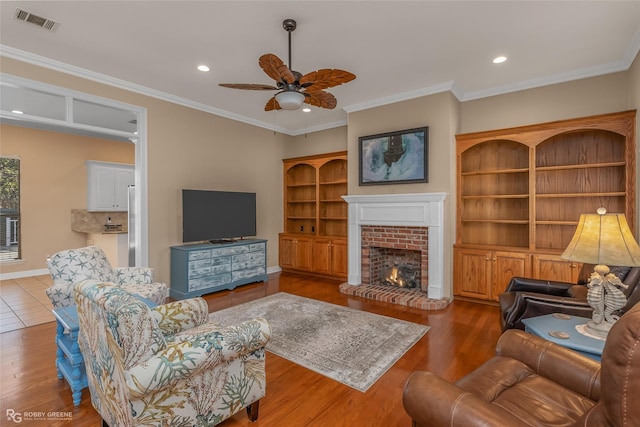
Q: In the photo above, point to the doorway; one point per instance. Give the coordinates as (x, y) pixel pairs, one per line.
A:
(29, 103)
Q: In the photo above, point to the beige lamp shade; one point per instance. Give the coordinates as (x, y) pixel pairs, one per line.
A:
(603, 238)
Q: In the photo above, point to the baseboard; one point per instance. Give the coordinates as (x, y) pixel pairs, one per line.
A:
(20, 274)
(275, 269)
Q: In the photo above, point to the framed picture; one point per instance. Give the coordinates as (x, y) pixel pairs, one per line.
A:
(399, 157)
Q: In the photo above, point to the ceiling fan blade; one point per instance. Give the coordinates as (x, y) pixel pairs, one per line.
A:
(325, 78)
(319, 98)
(275, 68)
(248, 86)
(272, 104)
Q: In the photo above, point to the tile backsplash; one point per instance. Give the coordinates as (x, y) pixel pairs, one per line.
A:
(84, 221)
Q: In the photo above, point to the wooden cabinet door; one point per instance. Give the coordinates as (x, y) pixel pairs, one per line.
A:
(322, 256)
(552, 267)
(295, 252)
(287, 252)
(339, 259)
(303, 252)
(506, 265)
(472, 275)
(330, 257)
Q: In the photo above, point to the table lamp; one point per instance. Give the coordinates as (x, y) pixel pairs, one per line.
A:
(602, 239)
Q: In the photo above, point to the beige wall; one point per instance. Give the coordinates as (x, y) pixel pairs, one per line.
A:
(634, 84)
(440, 113)
(53, 178)
(326, 141)
(579, 98)
(435, 111)
(196, 150)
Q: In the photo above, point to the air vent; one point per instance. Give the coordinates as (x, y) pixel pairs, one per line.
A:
(26, 16)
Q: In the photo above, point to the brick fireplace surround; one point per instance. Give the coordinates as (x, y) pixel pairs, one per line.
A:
(377, 238)
(398, 222)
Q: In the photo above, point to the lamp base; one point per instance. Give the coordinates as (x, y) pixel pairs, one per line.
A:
(598, 329)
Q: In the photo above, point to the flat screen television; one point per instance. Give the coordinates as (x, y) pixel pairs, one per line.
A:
(217, 216)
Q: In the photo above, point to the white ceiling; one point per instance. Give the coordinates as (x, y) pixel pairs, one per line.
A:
(397, 49)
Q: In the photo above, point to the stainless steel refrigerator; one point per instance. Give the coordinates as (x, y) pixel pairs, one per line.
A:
(131, 223)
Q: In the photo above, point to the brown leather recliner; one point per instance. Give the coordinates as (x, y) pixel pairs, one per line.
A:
(534, 382)
(526, 297)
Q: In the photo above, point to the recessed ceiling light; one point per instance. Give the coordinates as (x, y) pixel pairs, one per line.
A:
(306, 110)
(499, 59)
(203, 68)
(17, 112)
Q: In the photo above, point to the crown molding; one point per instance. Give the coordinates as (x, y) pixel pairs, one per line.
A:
(51, 64)
(318, 128)
(583, 73)
(633, 49)
(404, 96)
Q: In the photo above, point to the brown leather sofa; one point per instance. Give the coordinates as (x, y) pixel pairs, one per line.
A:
(534, 382)
(526, 297)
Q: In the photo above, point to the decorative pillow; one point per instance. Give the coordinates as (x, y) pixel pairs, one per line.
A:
(621, 272)
(587, 269)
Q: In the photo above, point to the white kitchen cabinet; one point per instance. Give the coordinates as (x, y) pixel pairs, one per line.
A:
(108, 186)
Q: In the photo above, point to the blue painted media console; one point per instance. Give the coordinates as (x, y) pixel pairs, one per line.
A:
(204, 268)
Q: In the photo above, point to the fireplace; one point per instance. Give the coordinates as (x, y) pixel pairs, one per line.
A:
(385, 247)
(407, 228)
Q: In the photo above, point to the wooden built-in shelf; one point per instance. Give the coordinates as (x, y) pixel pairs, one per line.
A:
(569, 195)
(311, 184)
(498, 196)
(315, 215)
(580, 166)
(521, 191)
(497, 171)
(573, 223)
(498, 221)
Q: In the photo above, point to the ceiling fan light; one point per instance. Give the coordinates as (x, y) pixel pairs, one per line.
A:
(290, 100)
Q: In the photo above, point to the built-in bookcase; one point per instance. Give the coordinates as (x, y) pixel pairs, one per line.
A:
(315, 215)
(521, 191)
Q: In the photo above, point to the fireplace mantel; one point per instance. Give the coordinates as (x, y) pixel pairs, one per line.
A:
(416, 210)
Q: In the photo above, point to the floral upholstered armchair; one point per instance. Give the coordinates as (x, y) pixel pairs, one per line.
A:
(167, 365)
(74, 265)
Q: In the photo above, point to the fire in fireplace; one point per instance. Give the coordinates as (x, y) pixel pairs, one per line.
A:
(403, 276)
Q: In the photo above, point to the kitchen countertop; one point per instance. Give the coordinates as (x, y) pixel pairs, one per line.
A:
(98, 230)
(83, 221)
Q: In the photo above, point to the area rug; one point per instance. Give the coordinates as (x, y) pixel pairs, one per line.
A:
(350, 346)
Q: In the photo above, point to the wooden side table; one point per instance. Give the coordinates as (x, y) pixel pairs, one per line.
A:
(69, 361)
(561, 329)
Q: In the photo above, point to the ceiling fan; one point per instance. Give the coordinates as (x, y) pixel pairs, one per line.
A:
(295, 88)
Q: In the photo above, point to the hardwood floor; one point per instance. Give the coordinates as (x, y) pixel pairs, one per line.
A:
(461, 337)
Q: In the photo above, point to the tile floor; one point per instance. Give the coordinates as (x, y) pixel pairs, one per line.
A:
(23, 302)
